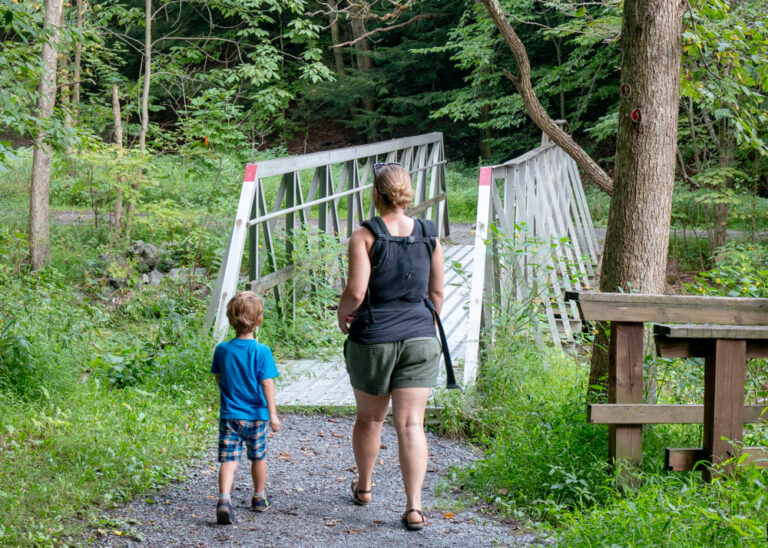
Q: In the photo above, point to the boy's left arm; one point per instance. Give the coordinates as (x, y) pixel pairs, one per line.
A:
(268, 386)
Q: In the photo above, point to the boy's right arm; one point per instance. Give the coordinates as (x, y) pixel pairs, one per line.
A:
(268, 386)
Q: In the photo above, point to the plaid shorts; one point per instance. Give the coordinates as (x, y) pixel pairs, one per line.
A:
(232, 434)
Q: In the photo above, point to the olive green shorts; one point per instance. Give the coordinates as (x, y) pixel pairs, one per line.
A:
(377, 369)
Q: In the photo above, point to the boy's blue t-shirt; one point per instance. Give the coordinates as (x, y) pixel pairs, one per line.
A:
(243, 364)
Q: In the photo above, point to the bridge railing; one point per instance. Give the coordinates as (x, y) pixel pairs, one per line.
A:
(337, 179)
(537, 197)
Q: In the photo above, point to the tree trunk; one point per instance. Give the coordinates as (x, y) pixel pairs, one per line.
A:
(522, 82)
(637, 237)
(78, 61)
(365, 63)
(119, 142)
(338, 54)
(486, 139)
(144, 106)
(721, 209)
(39, 230)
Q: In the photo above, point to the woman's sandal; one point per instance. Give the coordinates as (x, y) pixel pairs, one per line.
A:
(414, 525)
(356, 494)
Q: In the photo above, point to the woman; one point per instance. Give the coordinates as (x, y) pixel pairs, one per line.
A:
(391, 350)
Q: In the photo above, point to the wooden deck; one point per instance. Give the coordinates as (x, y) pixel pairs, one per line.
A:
(325, 383)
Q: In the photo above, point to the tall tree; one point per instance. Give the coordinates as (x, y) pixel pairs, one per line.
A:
(117, 217)
(39, 230)
(637, 237)
(78, 62)
(144, 107)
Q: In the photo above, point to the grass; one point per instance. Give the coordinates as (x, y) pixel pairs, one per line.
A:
(107, 394)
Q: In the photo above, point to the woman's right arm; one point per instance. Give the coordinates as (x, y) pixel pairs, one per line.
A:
(357, 280)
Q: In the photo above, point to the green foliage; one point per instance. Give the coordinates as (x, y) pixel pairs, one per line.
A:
(544, 463)
(740, 271)
(541, 455)
(574, 53)
(724, 69)
(308, 304)
(671, 511)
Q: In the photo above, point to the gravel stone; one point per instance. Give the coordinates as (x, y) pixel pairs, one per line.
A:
(311, 466)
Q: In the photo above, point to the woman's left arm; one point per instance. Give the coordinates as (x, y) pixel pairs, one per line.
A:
(436, 277)
(357, 280)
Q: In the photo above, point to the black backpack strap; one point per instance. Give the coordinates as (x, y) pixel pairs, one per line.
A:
(450, 378)
(429, 235)
(378, 252)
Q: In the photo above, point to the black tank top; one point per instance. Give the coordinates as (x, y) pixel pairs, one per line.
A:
(398, 286)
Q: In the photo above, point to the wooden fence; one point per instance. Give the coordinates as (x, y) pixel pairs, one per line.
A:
(336, 178)
(541, 217)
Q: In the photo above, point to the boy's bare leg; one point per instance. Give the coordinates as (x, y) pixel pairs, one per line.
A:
(227, 476)
(366, 437)
(259, 475)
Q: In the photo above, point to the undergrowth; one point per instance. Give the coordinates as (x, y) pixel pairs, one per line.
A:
(547, 468)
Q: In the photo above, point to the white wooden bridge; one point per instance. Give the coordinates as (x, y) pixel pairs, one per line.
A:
(536, 199)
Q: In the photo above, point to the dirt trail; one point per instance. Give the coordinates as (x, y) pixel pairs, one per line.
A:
(310, 468)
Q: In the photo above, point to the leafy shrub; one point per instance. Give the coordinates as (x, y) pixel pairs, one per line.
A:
(16, 364)
(741, 271)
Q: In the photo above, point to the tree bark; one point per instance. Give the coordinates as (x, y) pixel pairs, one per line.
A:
(144, 107)
(721, 209)
(39, 214)
(78, 61)
(637, 237)
(364, 63)
(338, 54)
(117, 218)
(522, 82)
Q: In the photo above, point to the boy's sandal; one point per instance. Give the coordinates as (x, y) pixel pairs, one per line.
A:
(414, 525)
(356, 494)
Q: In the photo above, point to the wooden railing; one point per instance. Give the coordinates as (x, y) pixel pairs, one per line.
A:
(338, 178)
(542, 200)
(733, 331)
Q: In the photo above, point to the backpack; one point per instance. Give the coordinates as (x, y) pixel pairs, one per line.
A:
(378, 254)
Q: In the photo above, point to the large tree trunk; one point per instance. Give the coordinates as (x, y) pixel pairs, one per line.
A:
(637, 238)
(144, 106)
(522, 82)
(78, 61)
(338, 54)
(39, 230)
(117, 218)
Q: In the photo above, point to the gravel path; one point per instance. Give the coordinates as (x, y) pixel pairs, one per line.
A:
(310, 468)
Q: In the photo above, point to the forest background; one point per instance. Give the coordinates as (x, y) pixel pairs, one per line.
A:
(158, 106)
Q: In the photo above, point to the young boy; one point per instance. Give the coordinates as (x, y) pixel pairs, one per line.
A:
(244, 371)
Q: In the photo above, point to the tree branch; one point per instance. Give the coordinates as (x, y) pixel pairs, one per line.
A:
(522, 82)
(389, 27)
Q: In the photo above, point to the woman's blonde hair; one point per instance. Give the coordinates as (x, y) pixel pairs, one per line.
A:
(394, 185)
(245, 311)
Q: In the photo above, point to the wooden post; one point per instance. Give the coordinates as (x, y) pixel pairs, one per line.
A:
(625, 385)
(724, 376)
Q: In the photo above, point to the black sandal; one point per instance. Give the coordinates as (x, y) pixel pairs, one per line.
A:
(414, 525)
(356, 494)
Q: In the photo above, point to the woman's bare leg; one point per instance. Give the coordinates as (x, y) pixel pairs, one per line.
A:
(366, 437)
(408, 405)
